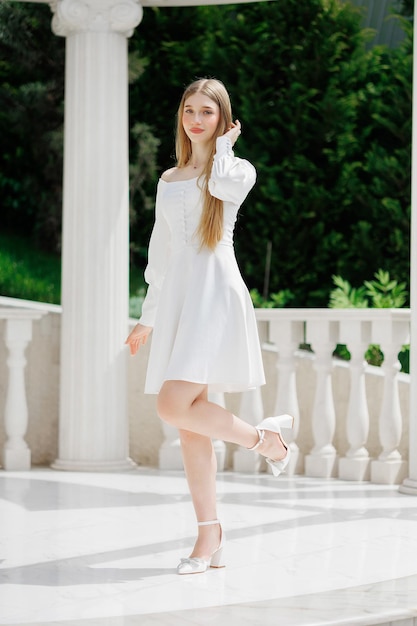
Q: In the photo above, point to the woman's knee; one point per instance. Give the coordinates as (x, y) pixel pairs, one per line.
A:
(175, 400)
(165, 407)
(171, 403)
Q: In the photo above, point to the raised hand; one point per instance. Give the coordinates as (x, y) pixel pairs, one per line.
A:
(234, 131)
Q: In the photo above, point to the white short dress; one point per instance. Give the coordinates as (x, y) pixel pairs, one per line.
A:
(204, 326)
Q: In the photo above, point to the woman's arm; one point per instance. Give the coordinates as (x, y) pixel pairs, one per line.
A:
(231, 177)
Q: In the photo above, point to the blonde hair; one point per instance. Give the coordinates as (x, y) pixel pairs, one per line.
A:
(210, 229)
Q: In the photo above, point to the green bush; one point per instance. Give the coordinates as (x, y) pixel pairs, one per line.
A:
(382, 292)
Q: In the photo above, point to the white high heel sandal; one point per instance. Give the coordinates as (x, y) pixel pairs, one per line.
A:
(196, 565)
(274, 424)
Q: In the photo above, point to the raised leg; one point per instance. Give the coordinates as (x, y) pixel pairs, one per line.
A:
(185, 405)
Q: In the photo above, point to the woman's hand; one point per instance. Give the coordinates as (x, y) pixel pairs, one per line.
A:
(234, 132)
(138, 337)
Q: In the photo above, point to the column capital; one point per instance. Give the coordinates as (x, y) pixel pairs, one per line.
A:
(80, 16)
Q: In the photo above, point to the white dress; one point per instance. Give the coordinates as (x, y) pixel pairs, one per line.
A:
(204, 326)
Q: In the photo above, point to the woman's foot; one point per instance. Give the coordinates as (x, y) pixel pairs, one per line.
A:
(271, 444)
(204, 554)
(208, 540)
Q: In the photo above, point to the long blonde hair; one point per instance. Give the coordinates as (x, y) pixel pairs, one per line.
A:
(210, 229)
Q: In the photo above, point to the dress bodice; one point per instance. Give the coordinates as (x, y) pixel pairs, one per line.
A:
(181, 205)
(178, 210)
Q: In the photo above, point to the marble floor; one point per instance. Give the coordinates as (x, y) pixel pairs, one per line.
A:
(80, 549)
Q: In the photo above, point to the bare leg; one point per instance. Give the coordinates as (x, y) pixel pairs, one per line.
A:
(200, 469)
(185, 405)
(200, 466)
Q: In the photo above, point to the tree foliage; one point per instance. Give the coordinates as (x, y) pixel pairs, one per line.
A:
(326, 122)
(31, 123)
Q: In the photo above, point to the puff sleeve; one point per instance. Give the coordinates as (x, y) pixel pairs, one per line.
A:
(158, 256)
(231, 178)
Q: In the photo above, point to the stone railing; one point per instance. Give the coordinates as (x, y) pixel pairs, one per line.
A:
(284, 330)
(351, 419)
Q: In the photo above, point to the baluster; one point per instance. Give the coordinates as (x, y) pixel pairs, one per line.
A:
(251, 410)
(170, 457)
(219, 446)
(16, 454)
(389, 468)
(356, 464)
(321, 462)
(287, 336)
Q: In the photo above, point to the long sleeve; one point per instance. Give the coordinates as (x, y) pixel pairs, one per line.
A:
(158, 256)
(231, 178)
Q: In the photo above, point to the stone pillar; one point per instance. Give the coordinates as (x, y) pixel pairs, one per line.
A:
(93, 429)
(410, 483)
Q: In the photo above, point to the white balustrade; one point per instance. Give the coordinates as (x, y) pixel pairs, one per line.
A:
(357, 328)
(16, 453)
(320, 392)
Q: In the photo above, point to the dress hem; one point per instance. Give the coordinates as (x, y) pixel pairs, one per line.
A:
(212, 387)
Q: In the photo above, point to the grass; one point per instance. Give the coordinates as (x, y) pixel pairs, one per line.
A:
(30, 274)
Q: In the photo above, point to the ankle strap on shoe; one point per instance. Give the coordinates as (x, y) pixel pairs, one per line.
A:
(261, 435)
(214, 521)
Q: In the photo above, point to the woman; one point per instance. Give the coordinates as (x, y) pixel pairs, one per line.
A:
(205, 334)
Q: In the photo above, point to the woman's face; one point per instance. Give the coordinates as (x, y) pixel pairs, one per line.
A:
(200, 118)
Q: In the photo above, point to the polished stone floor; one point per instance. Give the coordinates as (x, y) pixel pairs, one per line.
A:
(80, 549)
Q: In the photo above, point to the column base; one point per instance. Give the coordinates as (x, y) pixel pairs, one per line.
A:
(354, 469)
(16, 460)
(93, 466)
(409, 487)
(320, 466)
(388, 472)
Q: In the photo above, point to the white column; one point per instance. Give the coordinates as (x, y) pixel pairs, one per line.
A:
(321, 462)
(389, 468)
(410, 483)
(356, 464)
(93, 429)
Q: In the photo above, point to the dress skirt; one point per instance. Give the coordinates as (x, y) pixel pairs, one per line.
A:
(205, 328)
